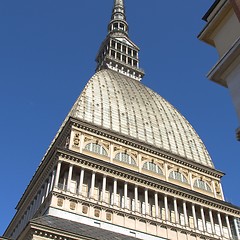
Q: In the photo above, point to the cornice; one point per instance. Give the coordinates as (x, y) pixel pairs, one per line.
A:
(144, 147)
(225, 65)
(213, 23)
(112, 170)
(142, 217)
(51, 233)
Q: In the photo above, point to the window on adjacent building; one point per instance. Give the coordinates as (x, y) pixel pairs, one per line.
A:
(178, 176)
(96, 148)
(150, 166)
(202, 185)
(124, 157)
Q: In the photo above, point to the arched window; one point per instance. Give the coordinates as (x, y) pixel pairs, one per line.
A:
(202, 185)
(150, 166)
(124, 157)
(178, 176)
(96, 148)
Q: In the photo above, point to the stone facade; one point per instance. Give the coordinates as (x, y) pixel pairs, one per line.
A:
(125, 164)
(222, 32)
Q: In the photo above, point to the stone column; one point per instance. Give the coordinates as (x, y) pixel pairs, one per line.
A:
(136, 198)
(220, 223)
(223, 198)
(104, 183)
(52, 180)
(185, 213)
(30, 211)
(34, 207)
(36, 202)
(236, 227)
(146, 201)
(70, 170)
(176, 210)
(44, 192)
(156, 204)
(203, 219)
(91, 195)
(166, 207)
(214, 189)
(39, 198)
(115, 191)
(65, 181)
(228, 227)
(194, 216)
(81, 181)
(212, 221)
(58, 174)
(48, 186)
(125, 194)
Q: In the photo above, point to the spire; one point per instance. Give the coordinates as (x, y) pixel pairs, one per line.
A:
(117, 51)
(118, 21)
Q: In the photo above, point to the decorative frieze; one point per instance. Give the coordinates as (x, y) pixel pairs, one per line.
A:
(144, 147)
(120, 217)
(120, 148)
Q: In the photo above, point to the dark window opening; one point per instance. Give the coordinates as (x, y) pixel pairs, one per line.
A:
(113, 53)
(118, 46)
(119, 56)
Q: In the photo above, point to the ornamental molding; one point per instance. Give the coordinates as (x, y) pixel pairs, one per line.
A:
(105, 168)
(47, 233)
(80, 124)
(159, 222)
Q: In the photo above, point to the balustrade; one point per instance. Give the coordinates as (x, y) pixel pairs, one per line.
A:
(140, 200)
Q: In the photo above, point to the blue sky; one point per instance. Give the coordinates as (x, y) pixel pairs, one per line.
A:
(47, 52)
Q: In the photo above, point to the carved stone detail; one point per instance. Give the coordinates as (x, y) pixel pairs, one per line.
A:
(76, 139)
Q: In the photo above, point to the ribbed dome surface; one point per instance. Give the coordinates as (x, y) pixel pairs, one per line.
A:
(121, 104)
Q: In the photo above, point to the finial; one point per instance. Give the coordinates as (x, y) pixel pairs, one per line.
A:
(119, 3)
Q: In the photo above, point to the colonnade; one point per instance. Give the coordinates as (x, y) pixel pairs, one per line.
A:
(141, 200)
(38, 199)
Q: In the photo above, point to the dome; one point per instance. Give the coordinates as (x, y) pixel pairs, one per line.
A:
(121, 104)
